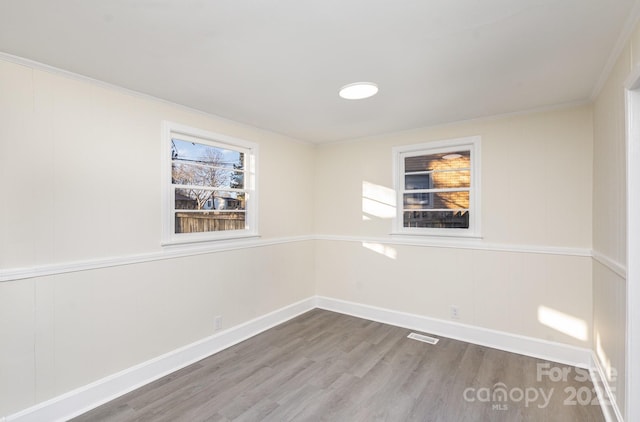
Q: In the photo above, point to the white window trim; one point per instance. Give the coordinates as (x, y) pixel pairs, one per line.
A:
(450, 145)
(169, 237)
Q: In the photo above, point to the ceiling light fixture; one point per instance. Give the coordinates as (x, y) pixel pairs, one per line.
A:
(358, 90)
(451, 156)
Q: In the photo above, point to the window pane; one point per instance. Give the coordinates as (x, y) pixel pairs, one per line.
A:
(440, 161)
(437, 219)
(451, 179)
(191, 222)
(229, 200)
(438, 180)
(417, 181)
(185, 151)
(202, 199)
(437, 200)
(418, 200)
(203, 175)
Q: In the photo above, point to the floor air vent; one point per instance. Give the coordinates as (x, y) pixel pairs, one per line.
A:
(426, 339)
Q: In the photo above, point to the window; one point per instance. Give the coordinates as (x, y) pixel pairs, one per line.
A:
(437, 186)
(209, 186)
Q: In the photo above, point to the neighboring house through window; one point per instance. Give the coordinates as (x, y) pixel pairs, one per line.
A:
(209, 186)
(437, 186)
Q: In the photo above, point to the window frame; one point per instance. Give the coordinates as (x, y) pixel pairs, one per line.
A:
(172, 130)
(471, 144)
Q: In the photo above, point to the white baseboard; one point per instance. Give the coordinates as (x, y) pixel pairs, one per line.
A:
(78, 401)
(606, 398)
(85, 398)
(529, 346)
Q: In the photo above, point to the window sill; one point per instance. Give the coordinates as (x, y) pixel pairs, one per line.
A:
(437, 239)
(445, 234)
(209, 242)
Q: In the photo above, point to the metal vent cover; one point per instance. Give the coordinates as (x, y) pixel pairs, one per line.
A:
(423, 338)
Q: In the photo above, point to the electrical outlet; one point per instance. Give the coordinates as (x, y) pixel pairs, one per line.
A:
(455, 312)
(217, 322)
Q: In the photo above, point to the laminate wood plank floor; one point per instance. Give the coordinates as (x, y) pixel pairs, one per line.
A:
(325, 366)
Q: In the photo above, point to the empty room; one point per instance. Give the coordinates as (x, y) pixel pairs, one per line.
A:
(303, 211)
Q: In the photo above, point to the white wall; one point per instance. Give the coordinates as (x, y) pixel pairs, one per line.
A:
(609, 220)
(80, 176)
(79, 160)
(536, 197)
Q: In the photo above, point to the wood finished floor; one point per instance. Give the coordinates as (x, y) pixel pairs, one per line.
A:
(325, 366)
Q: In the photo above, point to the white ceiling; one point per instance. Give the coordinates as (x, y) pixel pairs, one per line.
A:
(278, 64)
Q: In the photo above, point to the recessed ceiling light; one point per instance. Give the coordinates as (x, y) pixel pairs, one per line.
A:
(358, 90)
(451, 156)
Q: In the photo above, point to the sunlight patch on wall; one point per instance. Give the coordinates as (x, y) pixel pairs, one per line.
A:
(604, 360)
(566, 324)
(386, 250)
(378, 201)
